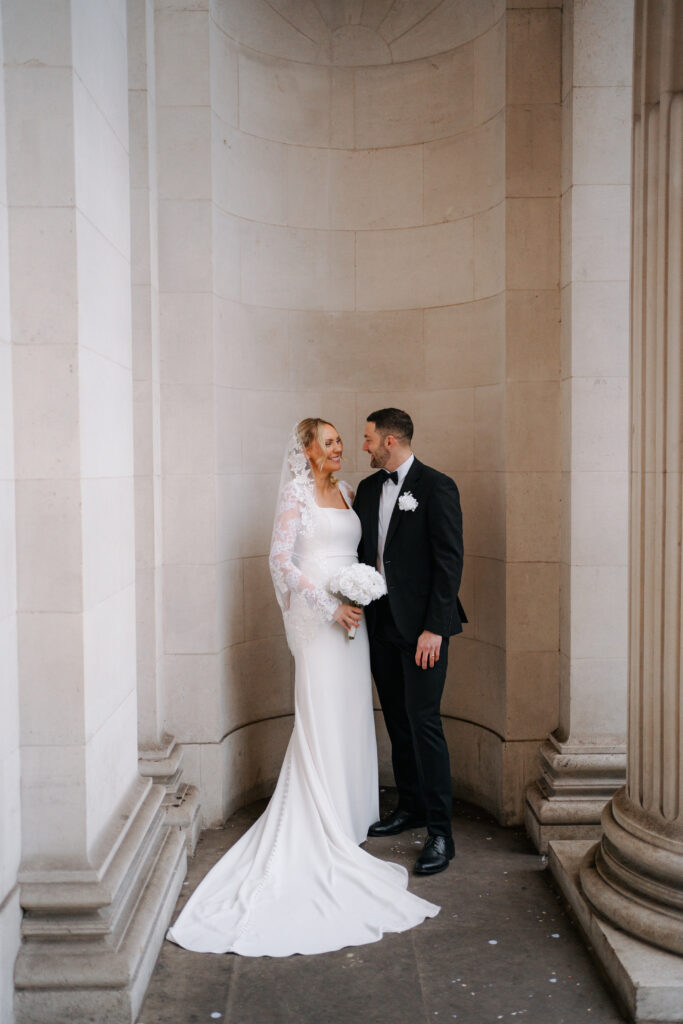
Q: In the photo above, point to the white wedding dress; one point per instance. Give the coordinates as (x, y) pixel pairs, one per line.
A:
(297, 881)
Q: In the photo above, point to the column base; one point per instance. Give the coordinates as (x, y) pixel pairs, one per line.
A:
(648, 981)
(164, 766)
(10, 936)
(576, 783)
(635, 877)
(91, 938)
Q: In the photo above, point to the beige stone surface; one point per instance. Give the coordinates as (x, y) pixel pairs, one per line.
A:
(475, 687)
(415, 267)
(283, 100)
(599, 424)
(353, 45)
(184, 142)
(36, 236)
(182, 70)
(599, 526)
(490, 609)
(349, 349)
(533, 148)
(489, 72)
(187, 350)
(447, 26)
(415, 102)
(532, 229)
(532, 444)
(293, 268)
(532, 336)
(533, 56)
(601, 143)
(188, 424)
(464, 174)
(489, 251)
(483, 497)
(599, 253)
(249, 174)
(599, 611)
(464, 344)
(260, 27)
(184, 246)
(376, 188)
(239, 331)
(224, 75)
(489, 424)
(533, 516)
(531, 693)
(602, 44)
(262, 615)
(599, 328)
(532, 603)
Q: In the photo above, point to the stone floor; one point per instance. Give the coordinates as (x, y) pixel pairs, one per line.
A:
(502, 949)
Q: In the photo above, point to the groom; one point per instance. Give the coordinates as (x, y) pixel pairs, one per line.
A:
(412, 533)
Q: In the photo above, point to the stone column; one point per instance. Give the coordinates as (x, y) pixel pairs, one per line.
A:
(634, 877)
(160, 756)
(100, 868)
(583, 761)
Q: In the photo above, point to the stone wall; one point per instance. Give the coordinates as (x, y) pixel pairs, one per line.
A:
(353, 213)
(10, 810)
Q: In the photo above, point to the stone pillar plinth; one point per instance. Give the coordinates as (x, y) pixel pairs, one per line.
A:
(635, 877)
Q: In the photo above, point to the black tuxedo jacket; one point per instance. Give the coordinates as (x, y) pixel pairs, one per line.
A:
(423, 552)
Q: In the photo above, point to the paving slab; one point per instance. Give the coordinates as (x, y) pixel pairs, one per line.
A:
(502, 949)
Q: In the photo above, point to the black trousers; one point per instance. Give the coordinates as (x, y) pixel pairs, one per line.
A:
(411, 698)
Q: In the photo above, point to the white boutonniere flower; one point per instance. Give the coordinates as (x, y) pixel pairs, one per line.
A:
(407, 502)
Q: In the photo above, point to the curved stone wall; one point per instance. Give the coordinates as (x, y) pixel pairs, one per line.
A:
(346, 166)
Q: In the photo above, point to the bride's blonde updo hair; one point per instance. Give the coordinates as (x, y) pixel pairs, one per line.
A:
(310, 430)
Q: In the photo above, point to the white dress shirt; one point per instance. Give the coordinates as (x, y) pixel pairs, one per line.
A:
(387, 500)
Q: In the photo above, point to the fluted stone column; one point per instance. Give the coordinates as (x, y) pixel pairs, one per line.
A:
(635, 875)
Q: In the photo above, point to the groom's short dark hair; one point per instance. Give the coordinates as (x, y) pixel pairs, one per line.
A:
(393, 421)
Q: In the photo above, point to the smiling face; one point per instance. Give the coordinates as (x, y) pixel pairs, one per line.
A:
(326, 452)
(375, 444)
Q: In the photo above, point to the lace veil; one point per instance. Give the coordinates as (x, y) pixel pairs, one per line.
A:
(294, 518)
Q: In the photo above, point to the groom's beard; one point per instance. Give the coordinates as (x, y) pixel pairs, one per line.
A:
(379, 460)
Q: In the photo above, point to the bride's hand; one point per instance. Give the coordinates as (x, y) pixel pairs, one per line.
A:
(347, 615)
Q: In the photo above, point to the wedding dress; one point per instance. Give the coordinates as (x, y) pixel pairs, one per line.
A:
(297, 881)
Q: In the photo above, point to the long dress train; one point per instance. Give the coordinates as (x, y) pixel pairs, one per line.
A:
(297, 881)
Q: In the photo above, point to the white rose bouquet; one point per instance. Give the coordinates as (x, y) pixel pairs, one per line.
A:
(358, 584)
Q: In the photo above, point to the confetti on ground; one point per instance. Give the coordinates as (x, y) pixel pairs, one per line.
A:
(555, 935)
(215, 1015)
(493, 942)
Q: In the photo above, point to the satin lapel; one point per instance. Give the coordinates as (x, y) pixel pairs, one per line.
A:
(412, 476)
(373, 524)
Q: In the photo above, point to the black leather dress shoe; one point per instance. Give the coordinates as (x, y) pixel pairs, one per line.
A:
(437, 852)
(397, 822)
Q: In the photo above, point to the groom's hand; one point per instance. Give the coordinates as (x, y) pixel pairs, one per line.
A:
(428, 649)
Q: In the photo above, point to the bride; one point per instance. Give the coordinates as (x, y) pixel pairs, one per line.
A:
(297, 881)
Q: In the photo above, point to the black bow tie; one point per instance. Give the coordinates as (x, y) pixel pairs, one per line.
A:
(391, 476)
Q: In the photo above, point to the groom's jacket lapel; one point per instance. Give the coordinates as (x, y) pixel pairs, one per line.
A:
(412, 476)
(369, 514)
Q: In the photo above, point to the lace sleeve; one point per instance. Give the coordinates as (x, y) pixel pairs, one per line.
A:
(287, 577)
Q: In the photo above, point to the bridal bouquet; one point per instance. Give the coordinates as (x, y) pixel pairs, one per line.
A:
(358, 584)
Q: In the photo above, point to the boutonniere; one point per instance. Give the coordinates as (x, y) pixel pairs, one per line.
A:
(407, 502)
